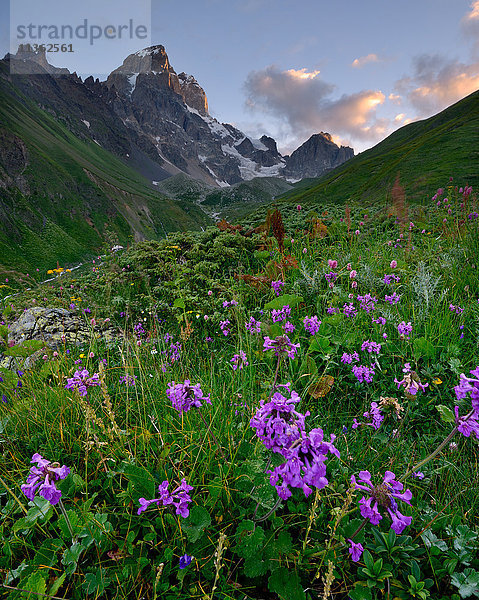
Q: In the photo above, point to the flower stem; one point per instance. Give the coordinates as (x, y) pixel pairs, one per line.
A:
(437, 450)
(209, 432)
(64, 513)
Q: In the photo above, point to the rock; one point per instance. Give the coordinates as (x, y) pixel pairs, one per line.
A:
(58, 327)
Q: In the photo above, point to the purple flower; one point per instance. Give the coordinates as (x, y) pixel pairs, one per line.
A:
(379, 321)
(281, 314)
(277, 286)
(288, 327)
(385, 496)
(183, 395)
(179, 498)
(467, 424)
(411, 381)
(388, 279)
(374, 413)
(404, 329)
(456, 309)
(81, 380)
(129, 380)
(356, 551)
(349, 358)
(363, 373)
(371, 347)
(305, 464)
(185, 561)
(253, 326)
(225, 327)
(277, 422)
(227, 304)
(392, 299)
(281, 345)
(469, 385)
(331, 277)
(311, 324)
(239, 361)
(331, 310)
(418, 474)
(367, 302)
(42, 479)
(349, 310)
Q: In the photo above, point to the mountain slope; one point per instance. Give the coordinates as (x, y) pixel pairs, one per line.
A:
(425, 154)
(60, 195)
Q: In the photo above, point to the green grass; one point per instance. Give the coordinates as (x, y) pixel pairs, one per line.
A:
(122, 442)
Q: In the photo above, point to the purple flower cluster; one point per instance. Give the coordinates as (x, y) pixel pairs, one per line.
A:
(281, 345)
(404, 329)
(239, 361)
(42, 479)
(225, 327)
(281, 428)
(374, 413)
(349, 310)
(253, 326)
(410, 381)
(332, 310)
(184, 395)
(356, 551)
(367, 303)
(379, 321)
(129, 380)
(277, 286)
(288, 327)
(384, 495)
(393, 298)
(363, 373)
(331, 277)
(281, 314)
(456, 309)
(81, 380)
(139, 330)
(371, 347)
(468, 386)
(179, 498)
(227, 304)
(348, 359)
(311, 324)
(388, 279)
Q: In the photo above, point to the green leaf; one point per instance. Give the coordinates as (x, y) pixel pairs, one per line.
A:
(71, 557)
(46, 554)
(360, 592)
(432, 541)
(256, 566)
(179, 303)
(467, 582)
(286, 584)
(250, 539)
(422, 347)
(446, 414)
(36, 584)
(284, 543)
(319, 344)
(287, 299)
(194, 526)
(142, 483)
(95, 583)
(56, 585)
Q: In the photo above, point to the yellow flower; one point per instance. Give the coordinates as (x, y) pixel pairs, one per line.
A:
(437, 381)
(82, 356)
(50, 272)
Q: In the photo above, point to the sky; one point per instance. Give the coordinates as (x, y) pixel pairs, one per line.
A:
(357, 69)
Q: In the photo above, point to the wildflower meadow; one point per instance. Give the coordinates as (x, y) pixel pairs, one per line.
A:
(289, 409)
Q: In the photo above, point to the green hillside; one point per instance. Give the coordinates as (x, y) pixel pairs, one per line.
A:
(60, 196)
(424, 154)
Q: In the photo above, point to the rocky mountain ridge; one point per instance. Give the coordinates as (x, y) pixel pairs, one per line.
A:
(158, 120)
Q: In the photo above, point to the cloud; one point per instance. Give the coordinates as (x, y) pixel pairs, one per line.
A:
(364, 60)
(470, 24)
(437, 82)
(395, 98)
(302, 100)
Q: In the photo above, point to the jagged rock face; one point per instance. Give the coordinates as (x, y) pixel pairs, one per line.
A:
(317, 155)
(147, 114)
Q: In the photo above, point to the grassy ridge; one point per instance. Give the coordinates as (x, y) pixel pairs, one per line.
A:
(425, 154)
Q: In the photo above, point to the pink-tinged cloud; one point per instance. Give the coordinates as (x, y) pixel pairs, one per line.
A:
(437, 83)
(303, 100)
(470, 24)
(364, 60)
